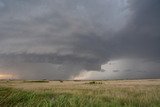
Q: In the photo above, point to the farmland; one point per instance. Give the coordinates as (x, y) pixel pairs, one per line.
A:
(108, 93)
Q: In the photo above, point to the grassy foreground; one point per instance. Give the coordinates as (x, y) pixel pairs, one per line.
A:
(135, 93)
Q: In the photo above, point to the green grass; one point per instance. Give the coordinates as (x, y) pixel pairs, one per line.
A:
(10, 97)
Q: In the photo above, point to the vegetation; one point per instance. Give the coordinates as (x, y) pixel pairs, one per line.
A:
(37, 81)
(94, 82)
(61, 81)
(78, 94)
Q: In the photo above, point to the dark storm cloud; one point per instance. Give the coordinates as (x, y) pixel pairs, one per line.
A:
(77, 35)
(116, 70)
(141, 36)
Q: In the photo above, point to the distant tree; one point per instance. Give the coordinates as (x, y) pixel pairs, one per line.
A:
(61, 81)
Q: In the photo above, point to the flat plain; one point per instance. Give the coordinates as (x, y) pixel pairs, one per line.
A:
(106, 93)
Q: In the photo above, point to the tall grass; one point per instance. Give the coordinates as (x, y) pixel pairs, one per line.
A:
(114, 97)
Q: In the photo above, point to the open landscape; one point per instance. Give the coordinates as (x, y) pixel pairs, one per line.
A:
(79, 53)
(108, 93)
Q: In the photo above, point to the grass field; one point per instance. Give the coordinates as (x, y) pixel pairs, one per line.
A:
(117, 93)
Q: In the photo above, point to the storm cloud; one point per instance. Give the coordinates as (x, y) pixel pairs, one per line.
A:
(58, 39)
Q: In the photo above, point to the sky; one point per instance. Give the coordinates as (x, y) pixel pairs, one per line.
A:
(79, 39)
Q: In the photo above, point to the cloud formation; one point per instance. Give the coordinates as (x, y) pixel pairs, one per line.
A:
(70, 36)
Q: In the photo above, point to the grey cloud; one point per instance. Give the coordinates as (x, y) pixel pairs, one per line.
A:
(128, 70)
(116, 70)
(141, 36)
(77, 35)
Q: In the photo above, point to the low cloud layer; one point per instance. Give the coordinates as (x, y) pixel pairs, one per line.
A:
(58, 39)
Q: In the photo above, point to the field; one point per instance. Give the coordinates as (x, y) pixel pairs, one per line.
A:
(111, 93)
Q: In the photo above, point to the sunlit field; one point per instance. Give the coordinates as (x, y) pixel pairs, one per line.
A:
(111, 93)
